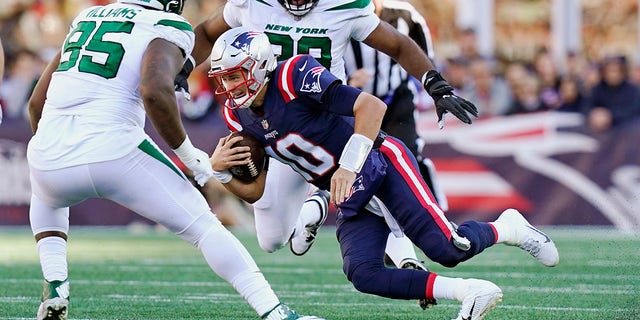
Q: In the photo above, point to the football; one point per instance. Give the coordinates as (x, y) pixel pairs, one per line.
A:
(249, 172)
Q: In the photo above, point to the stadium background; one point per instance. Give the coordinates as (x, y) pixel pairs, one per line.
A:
(550, 165)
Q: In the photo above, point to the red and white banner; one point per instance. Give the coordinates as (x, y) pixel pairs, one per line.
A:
(548, 165)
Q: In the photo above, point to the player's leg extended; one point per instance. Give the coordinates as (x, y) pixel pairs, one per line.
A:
(362, 241)
(415, 209)
(52, 251)
(400, 249)
(53, 191)
(149, 184)
(277, 212)
(409, 200)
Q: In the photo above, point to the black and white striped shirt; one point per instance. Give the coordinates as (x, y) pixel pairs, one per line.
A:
(386, 73)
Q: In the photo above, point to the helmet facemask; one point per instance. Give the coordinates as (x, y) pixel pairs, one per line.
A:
(241, 53)
(174, 6)
(228, 84)
(298, 8)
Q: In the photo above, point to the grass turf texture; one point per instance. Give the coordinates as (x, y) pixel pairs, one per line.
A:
(151, 274)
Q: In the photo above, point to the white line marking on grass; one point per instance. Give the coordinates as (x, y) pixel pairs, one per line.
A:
(565, 308)
(580, 289)
(17, 299)
(453, 305)
(212, 283)
(554, 276)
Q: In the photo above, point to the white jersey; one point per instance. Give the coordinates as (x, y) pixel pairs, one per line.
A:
(324, 32)
(93, 111)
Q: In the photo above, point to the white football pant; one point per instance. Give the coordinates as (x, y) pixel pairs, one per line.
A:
(154, 188)
(277, 213)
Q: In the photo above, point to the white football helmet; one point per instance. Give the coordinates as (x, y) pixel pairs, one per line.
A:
(246, 50)
(174, 6)
(298, 7)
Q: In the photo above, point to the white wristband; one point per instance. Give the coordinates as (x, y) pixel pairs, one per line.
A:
(222, 176)
(355, 152)
(186, 150)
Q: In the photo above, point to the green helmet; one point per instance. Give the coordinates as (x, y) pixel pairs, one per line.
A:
(173, 6)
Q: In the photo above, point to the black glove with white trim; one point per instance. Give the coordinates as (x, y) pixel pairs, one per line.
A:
(447, 102)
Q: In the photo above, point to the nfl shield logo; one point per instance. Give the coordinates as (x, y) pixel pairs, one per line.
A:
(265, 124)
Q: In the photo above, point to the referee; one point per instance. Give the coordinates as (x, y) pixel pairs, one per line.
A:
(378, 74)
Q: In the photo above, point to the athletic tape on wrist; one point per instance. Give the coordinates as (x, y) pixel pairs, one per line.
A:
(186, 150)
(355, 152)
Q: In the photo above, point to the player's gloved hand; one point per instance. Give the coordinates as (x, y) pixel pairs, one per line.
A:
(196, 160)
(180, 83)
(447, 102)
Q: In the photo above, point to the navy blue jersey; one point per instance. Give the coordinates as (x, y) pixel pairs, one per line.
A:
(306, 120)
(297, 110)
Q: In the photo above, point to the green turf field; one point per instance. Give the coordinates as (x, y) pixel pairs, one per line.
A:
(150, 274)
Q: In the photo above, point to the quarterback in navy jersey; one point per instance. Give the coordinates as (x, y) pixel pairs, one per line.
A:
(330, 134)
(294, 119)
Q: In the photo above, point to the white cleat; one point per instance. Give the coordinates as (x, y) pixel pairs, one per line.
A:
(530, 239)
(481, 297)
(301, 242)
(53, 309)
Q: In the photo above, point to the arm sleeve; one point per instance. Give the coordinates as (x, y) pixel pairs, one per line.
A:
(340, 98)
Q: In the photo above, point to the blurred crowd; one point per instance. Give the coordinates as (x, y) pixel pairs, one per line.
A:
(606, 90)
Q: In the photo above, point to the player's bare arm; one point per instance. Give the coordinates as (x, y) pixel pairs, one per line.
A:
(225, 157)
(160, 65)
(401, 48)
(406, 51)
(206, 34)
(368, 112)
(39, 95)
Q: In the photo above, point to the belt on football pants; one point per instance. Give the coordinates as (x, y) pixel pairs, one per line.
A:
(379, 139)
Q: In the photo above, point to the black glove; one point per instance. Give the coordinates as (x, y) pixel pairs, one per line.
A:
(446, 101)
(180, 82)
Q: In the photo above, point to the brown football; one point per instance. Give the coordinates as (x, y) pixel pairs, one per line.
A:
(251, 171)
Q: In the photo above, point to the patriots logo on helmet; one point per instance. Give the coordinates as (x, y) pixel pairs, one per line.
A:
(311, 80)
(243, 41)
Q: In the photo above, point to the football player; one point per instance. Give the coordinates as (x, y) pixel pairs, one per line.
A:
(329, 133)
(323, 29)
(87, 112)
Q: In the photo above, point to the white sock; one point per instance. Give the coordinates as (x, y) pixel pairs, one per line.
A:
(505, 232)
(310, 213)
(448, 288)
(256, 290)
(400, 248)
(230, 260)
(53, 258)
